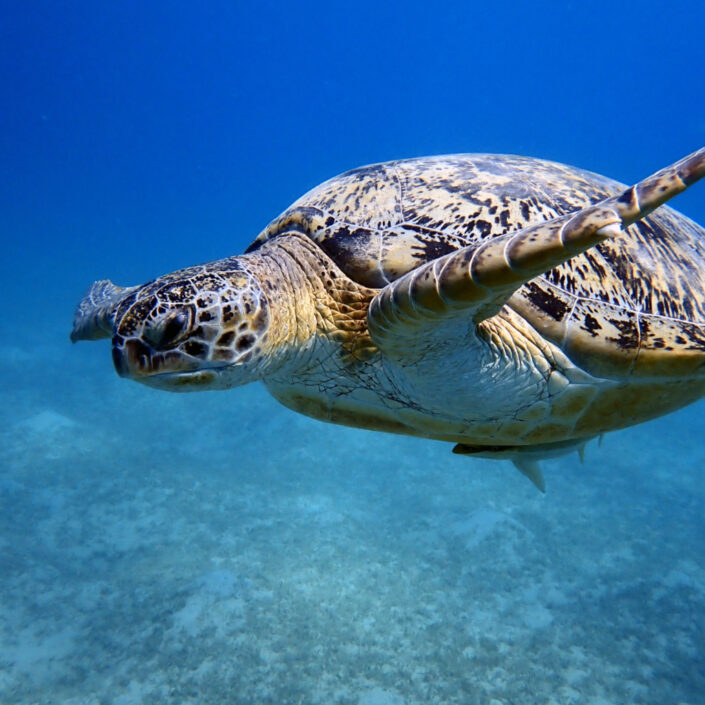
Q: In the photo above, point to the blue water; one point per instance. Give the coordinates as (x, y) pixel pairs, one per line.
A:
(217, 548)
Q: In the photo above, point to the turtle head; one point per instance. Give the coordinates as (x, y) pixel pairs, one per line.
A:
(199, 328)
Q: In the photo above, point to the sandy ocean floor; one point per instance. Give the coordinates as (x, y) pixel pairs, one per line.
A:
(217, 548)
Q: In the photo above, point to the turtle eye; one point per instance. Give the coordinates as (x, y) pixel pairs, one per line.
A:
(173, 329)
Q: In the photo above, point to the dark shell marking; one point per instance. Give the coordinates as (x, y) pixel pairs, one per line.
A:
(612, 309)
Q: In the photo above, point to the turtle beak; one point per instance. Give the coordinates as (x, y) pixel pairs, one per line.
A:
(137, 360)
(131, 358)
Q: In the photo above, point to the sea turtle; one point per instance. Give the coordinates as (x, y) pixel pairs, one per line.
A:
(513, 306)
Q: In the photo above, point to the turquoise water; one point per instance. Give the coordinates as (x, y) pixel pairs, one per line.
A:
(217, 548)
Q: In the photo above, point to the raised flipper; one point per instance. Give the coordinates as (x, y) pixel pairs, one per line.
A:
(475, 282)
(95, 312)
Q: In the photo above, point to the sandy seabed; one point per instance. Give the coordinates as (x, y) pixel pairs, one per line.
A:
(217, 548)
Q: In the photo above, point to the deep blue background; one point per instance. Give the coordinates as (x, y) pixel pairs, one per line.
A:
(140, 137)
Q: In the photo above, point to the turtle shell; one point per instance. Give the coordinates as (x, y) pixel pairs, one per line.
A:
(641, 291)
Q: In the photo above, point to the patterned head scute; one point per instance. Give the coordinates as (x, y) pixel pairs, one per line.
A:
(202, 319)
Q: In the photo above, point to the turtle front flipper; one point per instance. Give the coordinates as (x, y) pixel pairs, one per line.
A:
(476, 281)
(95, 312)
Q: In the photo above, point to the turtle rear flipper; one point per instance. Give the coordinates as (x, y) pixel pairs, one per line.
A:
(95, 312)
(476, 281)
(526, 458)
